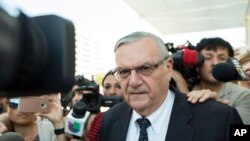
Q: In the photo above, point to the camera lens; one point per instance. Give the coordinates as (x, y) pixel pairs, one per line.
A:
(43, 105)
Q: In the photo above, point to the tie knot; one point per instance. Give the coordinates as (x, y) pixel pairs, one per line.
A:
(143, 123)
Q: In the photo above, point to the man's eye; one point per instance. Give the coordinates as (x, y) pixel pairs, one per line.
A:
(223, 59)
(145, 68)
(107, 86)
(117, 85)
(125, 71)
(208, 58)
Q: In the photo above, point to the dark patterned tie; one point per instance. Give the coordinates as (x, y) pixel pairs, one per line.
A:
(144, 123)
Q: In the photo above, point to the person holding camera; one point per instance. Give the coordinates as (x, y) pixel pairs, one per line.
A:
(81, 87)
(216, 50)
(35, 126)
(153, 109)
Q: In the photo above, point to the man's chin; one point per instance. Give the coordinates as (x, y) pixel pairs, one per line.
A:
(138, 105)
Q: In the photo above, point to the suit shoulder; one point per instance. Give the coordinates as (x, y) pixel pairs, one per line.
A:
(211, 107)
(117, 110)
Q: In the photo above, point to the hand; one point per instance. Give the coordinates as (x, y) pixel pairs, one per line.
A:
(203, 95)
(55, 114)
(181, 83)
(3, 128)
(5, 124)
(247, 71)
(236, 51)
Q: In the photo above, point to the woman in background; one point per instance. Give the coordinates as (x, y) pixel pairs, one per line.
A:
(110, 85)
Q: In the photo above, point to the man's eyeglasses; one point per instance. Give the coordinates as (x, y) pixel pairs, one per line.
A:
(146, 69)
(13, 102)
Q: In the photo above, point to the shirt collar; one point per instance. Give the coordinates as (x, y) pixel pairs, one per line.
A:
(157, 117)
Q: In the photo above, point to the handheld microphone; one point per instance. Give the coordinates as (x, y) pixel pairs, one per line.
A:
(229, 71)
(76, 119)
(11, 136)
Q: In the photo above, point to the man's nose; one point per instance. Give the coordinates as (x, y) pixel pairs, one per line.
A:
(215, 61)
(134, 79)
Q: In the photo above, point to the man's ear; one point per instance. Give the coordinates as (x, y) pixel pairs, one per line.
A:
(169, 63)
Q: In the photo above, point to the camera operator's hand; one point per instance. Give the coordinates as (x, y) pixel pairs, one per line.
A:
(203, 95)
(236, 51)
(55, 114)
(5, 124)
(247, 71)
(181, 83)
(3, 128)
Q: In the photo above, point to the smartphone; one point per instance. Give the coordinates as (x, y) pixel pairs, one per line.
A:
(33, 105)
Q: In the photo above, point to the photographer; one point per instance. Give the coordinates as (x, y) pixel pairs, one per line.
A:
(94, 101)
(40, 54)
(217, 50)
(34, 126)
(77, 95)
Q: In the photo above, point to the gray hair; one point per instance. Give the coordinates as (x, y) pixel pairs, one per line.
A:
(136, 36)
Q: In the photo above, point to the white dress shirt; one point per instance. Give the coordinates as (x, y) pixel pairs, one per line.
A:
(159, 121)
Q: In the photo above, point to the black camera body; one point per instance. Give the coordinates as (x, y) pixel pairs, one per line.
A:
(37, 55)
(186, 59)
(93, 99)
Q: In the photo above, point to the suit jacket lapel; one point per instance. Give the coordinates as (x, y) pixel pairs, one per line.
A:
(122, 124)
(178, 129)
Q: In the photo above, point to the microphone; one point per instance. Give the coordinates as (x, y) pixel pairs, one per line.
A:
(11, 136)
(76, 119)
(230, 71)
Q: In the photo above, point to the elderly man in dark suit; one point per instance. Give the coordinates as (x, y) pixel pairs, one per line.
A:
(153, 110)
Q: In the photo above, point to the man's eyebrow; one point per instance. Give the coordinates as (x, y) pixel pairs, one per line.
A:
(208, 53)
(224, 55)
(144, 63)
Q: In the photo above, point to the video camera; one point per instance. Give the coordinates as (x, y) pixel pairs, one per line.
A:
(186, 60)
(37, 54)
(93, 99)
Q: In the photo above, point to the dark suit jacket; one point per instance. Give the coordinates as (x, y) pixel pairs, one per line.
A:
(208, 121)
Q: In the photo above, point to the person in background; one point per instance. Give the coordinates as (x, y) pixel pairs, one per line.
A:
(30, 126)
(94, 121)
(244, 60)
(216, 50)
(110, 85)
(153, 109)
(77, 93)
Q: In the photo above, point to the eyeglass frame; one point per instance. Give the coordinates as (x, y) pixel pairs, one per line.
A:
(153, 66)
(13, 103)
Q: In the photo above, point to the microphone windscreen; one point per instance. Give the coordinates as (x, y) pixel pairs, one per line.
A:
(11, 136)
(225, 72)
